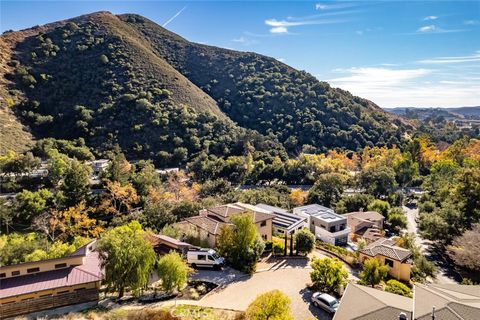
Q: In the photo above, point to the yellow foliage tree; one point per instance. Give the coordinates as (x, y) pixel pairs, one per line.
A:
(118, 199)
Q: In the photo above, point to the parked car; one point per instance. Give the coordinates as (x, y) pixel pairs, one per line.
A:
(325, 301)
(205, 258)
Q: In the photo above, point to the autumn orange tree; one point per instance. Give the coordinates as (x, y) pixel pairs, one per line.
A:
(118, 199)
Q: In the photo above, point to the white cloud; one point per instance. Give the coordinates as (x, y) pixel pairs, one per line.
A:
(379, 76)
(279, 30)
(471, 22)
(429, 28)
(430, 18)
(281, 26)
(333, 6)
(434, 29)
(321, 6)
(407, 87)
(240, 39)
(455, 59)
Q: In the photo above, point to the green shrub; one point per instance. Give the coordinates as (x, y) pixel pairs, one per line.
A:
(397, 287)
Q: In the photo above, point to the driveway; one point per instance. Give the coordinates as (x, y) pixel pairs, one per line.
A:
(446, 273)
(291, 281)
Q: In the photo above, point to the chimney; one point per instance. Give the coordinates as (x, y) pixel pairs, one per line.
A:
(433, 313)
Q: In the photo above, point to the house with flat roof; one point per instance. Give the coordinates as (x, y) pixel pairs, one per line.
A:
(47, 284)
(365, 303)
(398, 259)
(284, 221)
(446, 301)
(367, 225)
(325, 223)
(209, 223)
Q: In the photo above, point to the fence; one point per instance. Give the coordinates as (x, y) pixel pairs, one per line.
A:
(45, 303)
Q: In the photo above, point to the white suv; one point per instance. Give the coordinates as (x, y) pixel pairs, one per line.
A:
(325, 301)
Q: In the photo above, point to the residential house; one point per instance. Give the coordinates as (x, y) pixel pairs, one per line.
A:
(209, 223)
(47, 284)
(325, 223)
(167, 171)
(367, 225)
(163, 244)
(446, 301)
(284, 223)
(365, 303)
(398, 259)
(99, 165)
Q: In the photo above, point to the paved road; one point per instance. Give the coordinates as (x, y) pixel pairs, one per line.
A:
(291, 281)
(445, 271)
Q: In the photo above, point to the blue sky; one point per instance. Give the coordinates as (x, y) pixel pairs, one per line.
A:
(406, 53)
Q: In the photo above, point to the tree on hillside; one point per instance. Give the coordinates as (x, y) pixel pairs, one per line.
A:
(76, 222)
(465, 249)
(119, 199)
(396, 219)
(373, 272)
(327, 189)
(304, 241)
(172, 271)
(271, 305)
(443, 223)
(6, 215)
(241, 244)
(380, 206)
(145, 178)
(356, 202)
(30, 204)
(379, 181)
(119, 169)
(127, 258)
(76, 183)
(328, 274)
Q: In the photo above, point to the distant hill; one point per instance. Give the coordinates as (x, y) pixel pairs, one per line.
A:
(125, 80)
(462, 112)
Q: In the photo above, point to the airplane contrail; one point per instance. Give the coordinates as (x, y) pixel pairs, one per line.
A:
(174, 16)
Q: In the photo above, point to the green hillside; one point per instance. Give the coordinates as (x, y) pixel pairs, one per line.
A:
(264, 94)
(93, 77)
(125, 80)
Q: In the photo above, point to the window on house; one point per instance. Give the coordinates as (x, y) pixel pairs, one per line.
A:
(63, 292)
(263, 223)
(15, 273)
(80, 289)
(389, 263)
(60, 265)
(332, 229)
(3, 275)
(264, 236)
(32, 270)
(45, 295)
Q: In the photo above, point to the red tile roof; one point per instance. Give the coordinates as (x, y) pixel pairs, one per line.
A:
(387, 248)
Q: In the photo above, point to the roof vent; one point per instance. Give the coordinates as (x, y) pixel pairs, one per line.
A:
(402, 316)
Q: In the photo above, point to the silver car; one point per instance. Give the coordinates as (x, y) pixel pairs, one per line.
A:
(325, 301)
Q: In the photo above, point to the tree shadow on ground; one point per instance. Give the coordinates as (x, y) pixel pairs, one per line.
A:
(316, 311)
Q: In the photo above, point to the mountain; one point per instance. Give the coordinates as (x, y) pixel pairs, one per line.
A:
(125, 80)
(459, 113)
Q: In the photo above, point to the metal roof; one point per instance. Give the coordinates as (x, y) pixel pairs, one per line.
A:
(282, 218)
